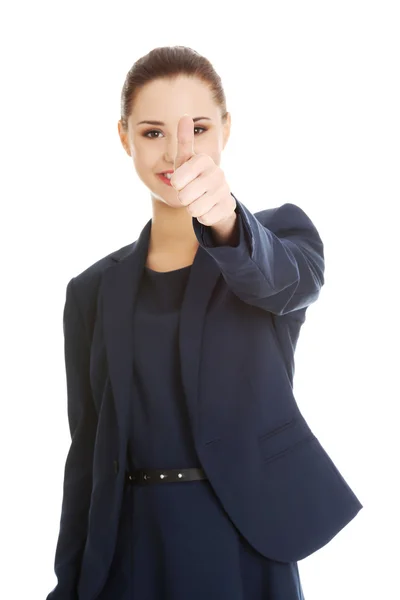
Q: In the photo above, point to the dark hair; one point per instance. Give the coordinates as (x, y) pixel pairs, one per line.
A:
(165, 63)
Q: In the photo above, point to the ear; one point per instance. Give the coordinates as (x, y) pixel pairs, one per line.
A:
(227, 129)
(123, 136)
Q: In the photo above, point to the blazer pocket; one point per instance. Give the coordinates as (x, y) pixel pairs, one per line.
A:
(277, 442)
(279, 429)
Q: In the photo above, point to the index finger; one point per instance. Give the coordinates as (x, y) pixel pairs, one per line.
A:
(185, 136)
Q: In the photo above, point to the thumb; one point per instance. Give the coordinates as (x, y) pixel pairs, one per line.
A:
(185, 136)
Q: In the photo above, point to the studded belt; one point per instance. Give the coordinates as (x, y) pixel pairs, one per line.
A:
(149, 476)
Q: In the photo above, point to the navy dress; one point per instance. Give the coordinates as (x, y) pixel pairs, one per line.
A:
(175, 540)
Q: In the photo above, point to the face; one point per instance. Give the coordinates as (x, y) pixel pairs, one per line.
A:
(153, 147)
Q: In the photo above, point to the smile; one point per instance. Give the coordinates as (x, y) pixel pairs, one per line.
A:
(165, 179)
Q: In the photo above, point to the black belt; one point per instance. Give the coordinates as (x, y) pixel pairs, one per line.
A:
(148, 476)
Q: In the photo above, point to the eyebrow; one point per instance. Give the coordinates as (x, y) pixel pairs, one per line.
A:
(161, 122)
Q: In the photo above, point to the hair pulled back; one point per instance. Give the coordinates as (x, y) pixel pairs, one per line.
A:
(168, 62)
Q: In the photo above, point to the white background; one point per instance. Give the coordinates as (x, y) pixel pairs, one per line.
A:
(313, 89)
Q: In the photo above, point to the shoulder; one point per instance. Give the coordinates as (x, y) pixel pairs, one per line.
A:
(287, 215)
(84, 286)
(287, 221)
(91, 275)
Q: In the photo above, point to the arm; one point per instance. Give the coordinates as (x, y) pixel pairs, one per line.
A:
(82, 418)
(278, 266)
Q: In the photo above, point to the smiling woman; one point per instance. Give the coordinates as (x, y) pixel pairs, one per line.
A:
(159, 89)
(188, 446)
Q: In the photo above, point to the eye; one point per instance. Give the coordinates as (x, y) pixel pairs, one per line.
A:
(146, 133)
(151, 131)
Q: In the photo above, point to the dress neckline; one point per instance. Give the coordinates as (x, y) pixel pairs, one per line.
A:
(155, 273)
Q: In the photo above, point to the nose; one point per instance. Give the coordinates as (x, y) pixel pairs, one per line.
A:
(170, 150)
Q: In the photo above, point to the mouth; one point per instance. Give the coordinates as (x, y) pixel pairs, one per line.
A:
(165, 176)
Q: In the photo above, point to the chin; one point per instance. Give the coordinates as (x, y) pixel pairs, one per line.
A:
(171, 201)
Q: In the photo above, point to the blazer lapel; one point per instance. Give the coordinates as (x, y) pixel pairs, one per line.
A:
(203, 277)
(120, 285)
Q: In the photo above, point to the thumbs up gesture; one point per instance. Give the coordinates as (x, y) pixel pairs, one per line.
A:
(200, 183)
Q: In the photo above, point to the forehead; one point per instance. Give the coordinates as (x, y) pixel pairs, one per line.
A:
(171, 98)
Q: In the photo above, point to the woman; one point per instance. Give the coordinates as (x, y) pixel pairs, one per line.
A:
(192, 473)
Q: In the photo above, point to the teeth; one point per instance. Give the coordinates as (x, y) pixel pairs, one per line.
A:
(168, 175)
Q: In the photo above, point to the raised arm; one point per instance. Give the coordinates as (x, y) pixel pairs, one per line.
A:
(277, 262)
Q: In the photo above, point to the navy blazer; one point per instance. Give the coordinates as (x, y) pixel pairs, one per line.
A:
(240, 319)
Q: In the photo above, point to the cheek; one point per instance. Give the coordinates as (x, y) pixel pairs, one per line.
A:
(216, 158)
(143, 154)
(210, 146)
(215, 155)
(142, 163)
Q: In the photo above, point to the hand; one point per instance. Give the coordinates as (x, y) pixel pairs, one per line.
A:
(200, 183)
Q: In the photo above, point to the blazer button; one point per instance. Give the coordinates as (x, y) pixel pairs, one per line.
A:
(116, 467)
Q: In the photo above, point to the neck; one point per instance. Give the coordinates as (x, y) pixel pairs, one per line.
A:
(171, 230)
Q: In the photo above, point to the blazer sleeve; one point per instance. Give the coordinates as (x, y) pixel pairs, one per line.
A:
(77, 486)
(277, 265)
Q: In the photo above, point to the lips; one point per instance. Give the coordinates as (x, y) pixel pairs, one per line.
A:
(165, 179)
